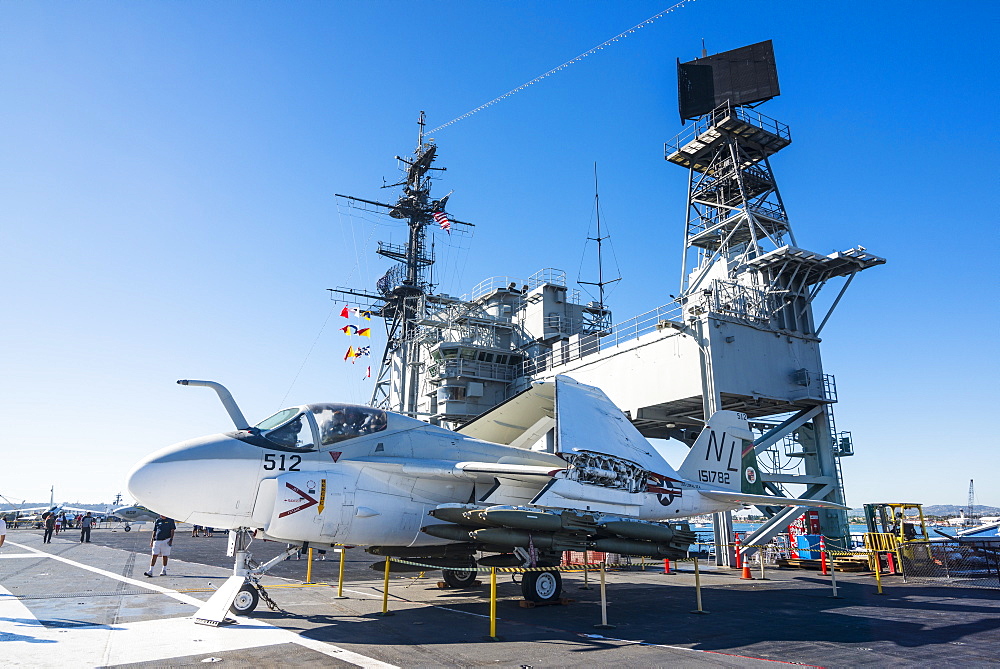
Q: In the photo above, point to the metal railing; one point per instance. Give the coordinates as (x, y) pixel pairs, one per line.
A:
(549, 275)
(708, 122)
(655, 320)
(487, 286)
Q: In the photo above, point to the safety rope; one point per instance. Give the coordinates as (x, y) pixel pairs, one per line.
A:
(500, 570)
(583, 55)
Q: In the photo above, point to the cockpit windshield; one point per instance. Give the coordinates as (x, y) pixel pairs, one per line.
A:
(338, 422)
(295, 433)
(276, 420)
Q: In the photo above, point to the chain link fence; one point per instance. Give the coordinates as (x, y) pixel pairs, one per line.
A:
(967, 563)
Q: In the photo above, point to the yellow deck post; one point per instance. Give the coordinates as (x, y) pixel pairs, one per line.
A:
(878, 574)
(309, 566)
(385, 590)
(697, 588)
(340, 576)
(604, 603)
(833, 575)
(493, 603)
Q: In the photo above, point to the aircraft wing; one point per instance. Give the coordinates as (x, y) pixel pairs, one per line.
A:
(527, 414)
(500, 469)
(588, 421)
(734, 497)
(30, 509)
(446, 469)
(76, 509)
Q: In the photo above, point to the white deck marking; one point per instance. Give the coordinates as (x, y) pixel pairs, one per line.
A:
(28, 643)
(187, 599)
(19, 555)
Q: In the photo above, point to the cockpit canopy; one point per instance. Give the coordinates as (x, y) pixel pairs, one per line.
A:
(301, 428)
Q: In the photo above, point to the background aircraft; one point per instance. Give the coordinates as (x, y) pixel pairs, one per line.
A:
(133, 514)
(33, 514)
(558, 467)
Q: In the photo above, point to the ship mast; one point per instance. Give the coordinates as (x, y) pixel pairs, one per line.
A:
(403, 288)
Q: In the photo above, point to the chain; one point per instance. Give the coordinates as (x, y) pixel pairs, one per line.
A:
(583, 55)
(266, 597)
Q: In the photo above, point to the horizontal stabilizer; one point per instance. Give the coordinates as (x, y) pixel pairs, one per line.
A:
(733, 497)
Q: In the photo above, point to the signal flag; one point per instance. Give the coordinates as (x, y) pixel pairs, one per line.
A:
(345, 312)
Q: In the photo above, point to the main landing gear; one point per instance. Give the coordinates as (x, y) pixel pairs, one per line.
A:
(460, 579)
(541, 586)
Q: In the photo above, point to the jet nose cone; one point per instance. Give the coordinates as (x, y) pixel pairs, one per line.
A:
(210, 480)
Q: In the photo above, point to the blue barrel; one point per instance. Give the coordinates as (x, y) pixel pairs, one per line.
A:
(807, 546)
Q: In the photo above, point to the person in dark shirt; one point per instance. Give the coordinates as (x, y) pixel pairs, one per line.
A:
(50, 526)
(160, 542)
(86, 523)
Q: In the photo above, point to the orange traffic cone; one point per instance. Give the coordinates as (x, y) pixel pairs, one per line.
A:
(746, 571)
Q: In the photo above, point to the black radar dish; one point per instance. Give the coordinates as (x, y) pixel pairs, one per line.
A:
(742, 76)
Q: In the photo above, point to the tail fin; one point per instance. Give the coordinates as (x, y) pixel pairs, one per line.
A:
(723, 456)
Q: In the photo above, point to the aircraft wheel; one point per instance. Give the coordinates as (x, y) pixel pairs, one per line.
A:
(459, 579)
(246, 600)
(128, 528)
(541, 586)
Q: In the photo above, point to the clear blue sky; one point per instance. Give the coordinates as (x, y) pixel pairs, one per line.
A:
(167, 173)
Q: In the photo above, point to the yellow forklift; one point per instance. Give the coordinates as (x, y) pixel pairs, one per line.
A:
(896, 532)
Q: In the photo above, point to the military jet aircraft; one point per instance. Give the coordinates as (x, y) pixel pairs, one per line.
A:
(557, 467)
(134, 513)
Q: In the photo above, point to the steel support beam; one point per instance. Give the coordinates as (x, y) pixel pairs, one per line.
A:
(780, 521)
(778, 432)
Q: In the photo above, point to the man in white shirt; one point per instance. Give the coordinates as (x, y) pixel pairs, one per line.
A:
(3, 530)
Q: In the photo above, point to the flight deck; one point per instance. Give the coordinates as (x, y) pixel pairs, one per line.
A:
(70, 604)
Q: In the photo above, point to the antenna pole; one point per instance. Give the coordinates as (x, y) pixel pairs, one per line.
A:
(601, 316)
(972, 499)
(600, 240)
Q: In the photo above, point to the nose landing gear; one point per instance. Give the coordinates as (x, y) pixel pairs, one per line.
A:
(242, 592)
(246, 600)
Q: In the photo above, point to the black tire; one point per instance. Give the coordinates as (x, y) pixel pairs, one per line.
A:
(246, 600)
(541, 586)
(128, 528)
(459, 579)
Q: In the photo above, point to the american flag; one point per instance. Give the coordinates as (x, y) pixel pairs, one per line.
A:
(442, 220)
